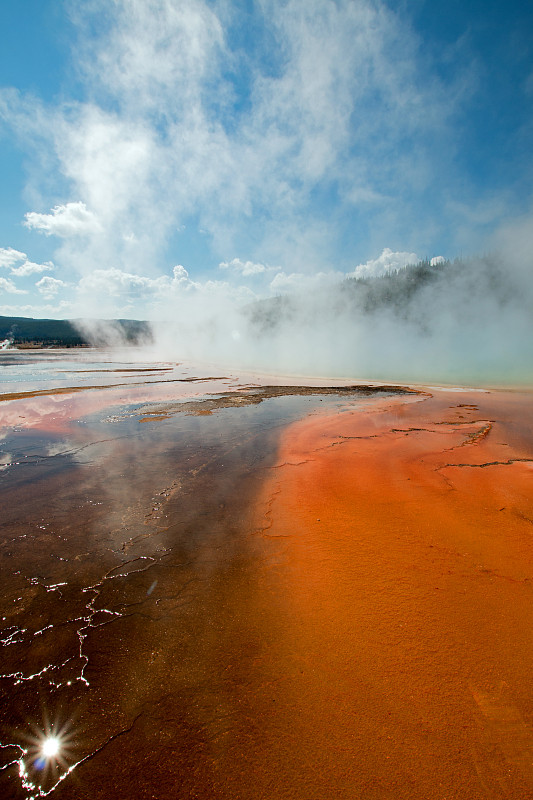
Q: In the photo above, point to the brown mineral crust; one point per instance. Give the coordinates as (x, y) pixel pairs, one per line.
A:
(247, 395)
(401, 571)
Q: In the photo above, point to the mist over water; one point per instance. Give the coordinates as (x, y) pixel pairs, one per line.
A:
(468, 321)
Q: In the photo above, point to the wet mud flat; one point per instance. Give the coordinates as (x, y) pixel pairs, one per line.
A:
(135, 626)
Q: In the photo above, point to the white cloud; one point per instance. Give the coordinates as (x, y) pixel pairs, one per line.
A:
(244, 268)
(31, 268)
(437, 260)
(8, 256)
(62, 310)
(117, 282)
(180, 274)
(299, 281)
(49, 287)
(117, 293)
(388, 261)
(71, 219)
(7, 285)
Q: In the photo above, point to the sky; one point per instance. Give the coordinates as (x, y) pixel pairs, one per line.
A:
(157, 155)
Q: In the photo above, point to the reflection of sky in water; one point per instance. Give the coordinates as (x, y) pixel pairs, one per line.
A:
(27, 371)
(119, 537)
(145, 607)
(87, 440)
(125, 382)
(124, 386)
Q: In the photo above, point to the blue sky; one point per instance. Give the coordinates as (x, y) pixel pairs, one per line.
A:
(159, 152)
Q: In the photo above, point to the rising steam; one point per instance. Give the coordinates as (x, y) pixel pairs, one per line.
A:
(468, 321)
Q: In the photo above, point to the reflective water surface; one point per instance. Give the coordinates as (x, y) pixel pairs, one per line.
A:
(231, 587)
(132, 640)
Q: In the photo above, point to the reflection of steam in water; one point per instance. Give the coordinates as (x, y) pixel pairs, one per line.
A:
(6, 460)
(125, 546)
(5, 457)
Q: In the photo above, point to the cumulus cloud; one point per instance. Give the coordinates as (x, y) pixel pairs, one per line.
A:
(9, 256)
(180, 275)
(31, 268)
(114, 292)
(302, 282)
(244, 268)
(57, 310)
(388, 261)
(71, 219)
(116, 282)
(437, 260)
(49, 287)
(7, 285)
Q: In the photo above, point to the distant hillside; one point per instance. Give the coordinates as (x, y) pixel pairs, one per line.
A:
(26, 331)
(415, 294)
(466, 320)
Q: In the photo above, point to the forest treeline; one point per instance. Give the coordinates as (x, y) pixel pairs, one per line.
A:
(414, 294)
(26, 331)
(417, 294)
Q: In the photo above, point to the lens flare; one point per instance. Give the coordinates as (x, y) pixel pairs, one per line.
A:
(50, 747)
(49, 756)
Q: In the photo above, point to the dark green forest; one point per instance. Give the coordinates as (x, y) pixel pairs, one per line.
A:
(26, 331)
(414, 294)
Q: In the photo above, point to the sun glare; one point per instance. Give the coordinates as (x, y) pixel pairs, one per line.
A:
(50, 747)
